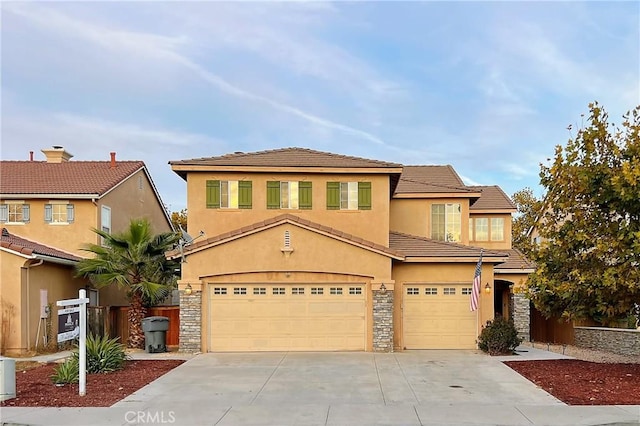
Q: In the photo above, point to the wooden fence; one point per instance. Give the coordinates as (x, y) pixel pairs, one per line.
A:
(113, 321)
(554, 330)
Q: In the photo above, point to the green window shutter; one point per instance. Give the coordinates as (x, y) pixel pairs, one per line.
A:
(273, 194)
(333, 195)
(364, 195)
(213, 194)
(304, 195)
(244, 194)
(70, 213)
(48, 213)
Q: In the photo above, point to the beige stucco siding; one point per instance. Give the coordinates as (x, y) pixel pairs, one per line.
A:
(413, 216)
(66, 236)
(132, 199)
(20, 294)
(367, 224)
(438, 273)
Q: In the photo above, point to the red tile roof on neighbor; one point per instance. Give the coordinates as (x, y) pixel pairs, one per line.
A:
(415, 246)
(290, 218)
(29, 248)
(430, 179)
(492, 198)
(287, 157)
(71, 177)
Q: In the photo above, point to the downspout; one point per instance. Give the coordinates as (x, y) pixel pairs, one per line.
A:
(28, 265)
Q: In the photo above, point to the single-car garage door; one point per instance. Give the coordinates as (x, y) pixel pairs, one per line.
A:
(437, 316)
(299, 317)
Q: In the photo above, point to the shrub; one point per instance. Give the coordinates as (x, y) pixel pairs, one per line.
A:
(499, 337)
(67, 372)
(104, 355)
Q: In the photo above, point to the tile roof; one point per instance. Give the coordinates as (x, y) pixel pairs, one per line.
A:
(71, 177)
(415, 246)
(290, 218)
(493, 197)
(28, 247)
(430, 179)
(287, 157)
(517, 260)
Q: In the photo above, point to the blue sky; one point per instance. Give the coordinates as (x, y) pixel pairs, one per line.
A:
(488, 87)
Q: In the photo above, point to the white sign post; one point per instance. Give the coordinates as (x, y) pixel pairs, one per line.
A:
(82, 301)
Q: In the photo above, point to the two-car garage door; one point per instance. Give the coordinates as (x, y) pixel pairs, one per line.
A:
(437, 316)
(275, 317)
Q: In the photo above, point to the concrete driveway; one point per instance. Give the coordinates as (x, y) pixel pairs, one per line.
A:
(408, 388)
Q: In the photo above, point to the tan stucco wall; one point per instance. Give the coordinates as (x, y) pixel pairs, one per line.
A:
(519, 280)
(494, 245)
(368, 224)
(132, 199)
(413, 216)
(439, 273)
(69, 237)
(20, 292)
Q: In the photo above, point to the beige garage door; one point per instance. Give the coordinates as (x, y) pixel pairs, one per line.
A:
(302, 317)
(437, 316)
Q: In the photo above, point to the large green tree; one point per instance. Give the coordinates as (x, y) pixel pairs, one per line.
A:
(529, 208)
(588, 265)
(135, 261)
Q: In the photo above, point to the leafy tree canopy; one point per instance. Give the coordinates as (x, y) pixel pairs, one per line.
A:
(179, 219)
(588, 265)
(529, 207)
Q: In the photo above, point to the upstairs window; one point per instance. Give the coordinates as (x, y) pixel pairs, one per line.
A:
(60, 212)
(348, 195)
(446, 222)
(485, 229)
(289, 195)
(14, 212)
(229, 194)
(497, 229)
(105, 221)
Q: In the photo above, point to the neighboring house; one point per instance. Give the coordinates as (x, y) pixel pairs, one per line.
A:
(308, 250)
(57, 203)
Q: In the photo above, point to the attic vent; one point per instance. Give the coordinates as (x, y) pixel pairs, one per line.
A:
(287, 239)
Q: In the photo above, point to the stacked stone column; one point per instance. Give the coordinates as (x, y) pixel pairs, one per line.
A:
(382, 321)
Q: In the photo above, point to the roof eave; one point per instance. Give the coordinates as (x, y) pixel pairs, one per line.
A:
(453, 259)
(183, 169)
(489, 211)
(51, 196)
(435, 195)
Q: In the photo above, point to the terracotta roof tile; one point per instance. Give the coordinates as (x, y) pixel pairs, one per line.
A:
(71, 177)
(415, 246)
(493, 197)
(517, 260)
(287, 157)
(288, 217)
(430, 179)
(28, 247)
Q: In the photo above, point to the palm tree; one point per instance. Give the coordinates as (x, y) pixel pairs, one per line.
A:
(133, 260)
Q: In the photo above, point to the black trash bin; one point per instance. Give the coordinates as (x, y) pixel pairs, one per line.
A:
(155, 333)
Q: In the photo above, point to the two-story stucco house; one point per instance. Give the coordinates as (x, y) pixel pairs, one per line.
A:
(308, 250)
(48, 210)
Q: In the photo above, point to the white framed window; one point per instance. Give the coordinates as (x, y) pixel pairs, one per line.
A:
(497, 229)
(335, 290)
(229, 194)
(446, 222)
(431, 291)
(413, 290)
(481, 229)
(449, 291)
(348, 195)
(14, 212)
(59, 212)
(289, 195)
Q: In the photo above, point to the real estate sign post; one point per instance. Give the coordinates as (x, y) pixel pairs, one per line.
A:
(72, 323)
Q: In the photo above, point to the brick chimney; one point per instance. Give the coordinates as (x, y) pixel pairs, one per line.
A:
(113, 160)
(56, 154)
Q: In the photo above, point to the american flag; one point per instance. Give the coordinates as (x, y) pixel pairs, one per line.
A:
(475, 292)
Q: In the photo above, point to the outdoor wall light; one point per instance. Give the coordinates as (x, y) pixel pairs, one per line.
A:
(188, 289)
(383, 289)
(487, 288)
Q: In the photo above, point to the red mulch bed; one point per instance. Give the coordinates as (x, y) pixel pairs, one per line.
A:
(34, 387)
(578, 382)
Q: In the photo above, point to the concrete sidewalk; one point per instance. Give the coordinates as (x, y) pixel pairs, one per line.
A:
(407, 388)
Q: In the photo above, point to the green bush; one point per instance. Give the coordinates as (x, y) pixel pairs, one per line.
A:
(499, 337)
(67, 372)
(104, 355)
